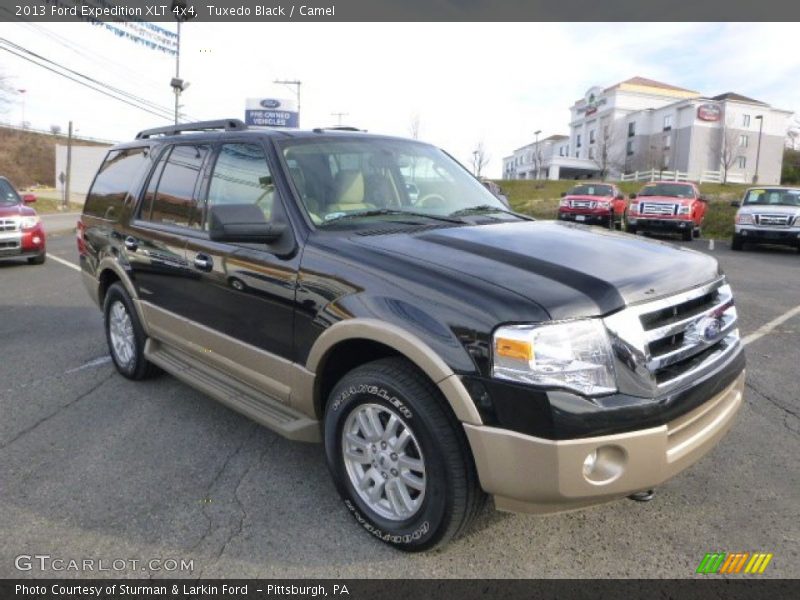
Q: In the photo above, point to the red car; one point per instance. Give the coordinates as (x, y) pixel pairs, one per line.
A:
(668, 207)
(594, 203)
(21, 230)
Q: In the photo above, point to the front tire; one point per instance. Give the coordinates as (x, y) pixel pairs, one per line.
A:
(399, 459)
(125, 335)
(687, 235)
(737, 244)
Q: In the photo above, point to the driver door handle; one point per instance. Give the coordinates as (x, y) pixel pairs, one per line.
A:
(203, 262)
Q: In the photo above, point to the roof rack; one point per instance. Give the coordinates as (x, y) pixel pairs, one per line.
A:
(226, 124)
(337, 128)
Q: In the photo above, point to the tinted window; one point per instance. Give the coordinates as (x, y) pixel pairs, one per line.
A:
(113, 182)
(7, 193)
(174, 200)
(241, 176)
(152, 184)
(674, 190)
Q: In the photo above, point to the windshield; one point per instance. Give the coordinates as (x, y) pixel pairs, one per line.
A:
(591, 190)
(773, 197)
(673, 190)
(341, 180)
(8, 195)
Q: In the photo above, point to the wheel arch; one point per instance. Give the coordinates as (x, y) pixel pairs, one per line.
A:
(350, 343)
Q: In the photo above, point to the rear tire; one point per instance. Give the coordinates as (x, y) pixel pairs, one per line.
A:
(37, 260)
(414, 493)
(687, 235)
(631, 229)
(125, 335)
(737, 243)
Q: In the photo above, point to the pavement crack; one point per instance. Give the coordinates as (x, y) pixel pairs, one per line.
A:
(789, 412)
(59, 410)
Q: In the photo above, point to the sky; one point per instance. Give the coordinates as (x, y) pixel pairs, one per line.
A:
(466, 83)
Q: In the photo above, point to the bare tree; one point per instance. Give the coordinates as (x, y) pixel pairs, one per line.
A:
(55, 129)
(727, 147)
(7, 92)
(479, 159)
(793, 134)
(413, 127)
(608, 156)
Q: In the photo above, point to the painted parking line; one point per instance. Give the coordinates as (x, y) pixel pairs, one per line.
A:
(66, 263)
(766, 328)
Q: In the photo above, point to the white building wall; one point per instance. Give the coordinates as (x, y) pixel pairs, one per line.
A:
(86, 160)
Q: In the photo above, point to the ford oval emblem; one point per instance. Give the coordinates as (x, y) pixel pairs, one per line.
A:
(270, 103)
(711, 328)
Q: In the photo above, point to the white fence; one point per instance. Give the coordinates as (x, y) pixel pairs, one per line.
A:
(655, 175)
(719, 177)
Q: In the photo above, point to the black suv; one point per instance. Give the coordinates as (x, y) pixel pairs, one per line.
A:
(442, 347)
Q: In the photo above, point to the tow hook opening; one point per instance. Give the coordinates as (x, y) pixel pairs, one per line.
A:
(644, 496)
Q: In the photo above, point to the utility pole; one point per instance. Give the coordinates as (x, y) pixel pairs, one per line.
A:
(178, 8)
(178, 89)
(69, 167)
(296, 83)
(339, 116)
(760, 119)
(23, 108)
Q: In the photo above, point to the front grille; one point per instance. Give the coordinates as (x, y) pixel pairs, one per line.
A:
(9, 225)
(773, 220)
(662, 344)
(583, 204)
(9, 245)
(658, 208)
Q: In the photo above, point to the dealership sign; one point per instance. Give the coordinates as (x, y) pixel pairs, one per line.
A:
(593, 101)
(271, 112)
(709, 112)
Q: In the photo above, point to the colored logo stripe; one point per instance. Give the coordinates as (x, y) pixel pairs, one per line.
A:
(722, 562)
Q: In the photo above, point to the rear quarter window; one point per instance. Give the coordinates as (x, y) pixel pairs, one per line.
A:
(113, 182)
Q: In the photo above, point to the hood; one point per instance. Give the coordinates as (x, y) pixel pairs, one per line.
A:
(670, 199)
(772, 209)
(570, 270)
(585, 197)
(16, 210)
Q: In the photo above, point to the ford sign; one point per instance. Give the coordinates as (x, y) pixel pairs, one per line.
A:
(709, 112)
(270, 103)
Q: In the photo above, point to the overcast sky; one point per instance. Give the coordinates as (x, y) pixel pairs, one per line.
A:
(495, 83)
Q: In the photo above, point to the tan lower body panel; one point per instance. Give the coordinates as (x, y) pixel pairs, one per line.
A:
(534, 475)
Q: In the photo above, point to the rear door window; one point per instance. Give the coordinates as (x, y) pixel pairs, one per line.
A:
(119, 172)
(171, 196)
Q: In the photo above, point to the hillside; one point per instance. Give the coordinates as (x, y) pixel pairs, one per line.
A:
(28, 158)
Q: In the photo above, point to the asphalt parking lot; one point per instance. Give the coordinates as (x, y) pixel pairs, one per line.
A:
(94, 466)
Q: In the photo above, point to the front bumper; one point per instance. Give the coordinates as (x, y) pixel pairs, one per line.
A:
(671, 225)
(536, 475)
(22, 244)
(762, 235)
(588, 218)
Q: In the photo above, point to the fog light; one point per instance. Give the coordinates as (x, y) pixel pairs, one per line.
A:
(37, 240)
(604, 464)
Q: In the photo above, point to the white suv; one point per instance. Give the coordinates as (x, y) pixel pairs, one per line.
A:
(768, 215)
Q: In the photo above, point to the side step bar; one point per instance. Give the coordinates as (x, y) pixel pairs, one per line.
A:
(239, 396)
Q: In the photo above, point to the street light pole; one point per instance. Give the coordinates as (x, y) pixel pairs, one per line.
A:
(177, 89)
(475, 167)
(68, 177)
(296, 83)
(760, 119)
(536, 155)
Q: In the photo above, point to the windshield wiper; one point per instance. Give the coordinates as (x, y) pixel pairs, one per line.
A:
(390, 211)
(487, 208)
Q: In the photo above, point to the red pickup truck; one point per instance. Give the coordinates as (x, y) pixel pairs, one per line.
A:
(594, 203)
(21, 230)
(668, 207)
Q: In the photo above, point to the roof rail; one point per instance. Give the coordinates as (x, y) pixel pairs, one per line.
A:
(337, 128)
(226, 124)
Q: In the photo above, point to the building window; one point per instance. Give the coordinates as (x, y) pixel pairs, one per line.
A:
(577, 153)
(629, 148)
(591, 153)
(632, 129)
(578, 141)
(741, 162)
(667, 122)
(591, 136)
(745, 120)
(744, 141)
(667, 142)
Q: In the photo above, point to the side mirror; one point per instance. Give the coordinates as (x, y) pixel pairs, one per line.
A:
(632, 196)
(29, 198)
(563, 194)
(242, 223)
(735, 203)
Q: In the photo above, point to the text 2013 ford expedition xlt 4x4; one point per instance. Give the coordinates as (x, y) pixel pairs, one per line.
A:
(442, 348)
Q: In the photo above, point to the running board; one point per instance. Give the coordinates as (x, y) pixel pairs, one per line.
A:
(233, 393)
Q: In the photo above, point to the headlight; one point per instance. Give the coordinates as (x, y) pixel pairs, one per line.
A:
(635, 207)
(571, 354)
(564, 203)
(29, 222)
(684, 210)
(744, 219)
(603, 205)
